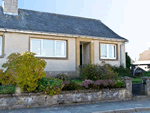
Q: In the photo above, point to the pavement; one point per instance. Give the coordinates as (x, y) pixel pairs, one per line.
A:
(139, 104)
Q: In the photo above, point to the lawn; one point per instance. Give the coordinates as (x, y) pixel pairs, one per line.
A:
(77, 81)
(136, 80)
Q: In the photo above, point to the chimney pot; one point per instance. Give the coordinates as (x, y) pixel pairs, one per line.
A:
(10, 7)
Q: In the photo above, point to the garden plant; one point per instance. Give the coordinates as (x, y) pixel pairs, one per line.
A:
(27, 72)
(23, 70)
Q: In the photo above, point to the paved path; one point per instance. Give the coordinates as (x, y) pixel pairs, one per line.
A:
(86, 108)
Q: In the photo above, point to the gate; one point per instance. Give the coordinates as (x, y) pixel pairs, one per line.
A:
(138, 89)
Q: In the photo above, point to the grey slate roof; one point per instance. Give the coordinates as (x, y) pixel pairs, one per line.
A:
(48, 22)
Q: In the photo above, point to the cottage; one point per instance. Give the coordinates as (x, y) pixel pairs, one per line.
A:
(65, 42)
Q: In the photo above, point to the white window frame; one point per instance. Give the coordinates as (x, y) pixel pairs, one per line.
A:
(108, 52)
(1, 45)
(41, 49)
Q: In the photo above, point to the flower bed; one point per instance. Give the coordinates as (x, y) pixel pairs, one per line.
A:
(27, 73)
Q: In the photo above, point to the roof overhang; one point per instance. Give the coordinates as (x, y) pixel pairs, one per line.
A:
(59, 34)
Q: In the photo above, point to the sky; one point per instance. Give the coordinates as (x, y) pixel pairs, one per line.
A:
(128, 18)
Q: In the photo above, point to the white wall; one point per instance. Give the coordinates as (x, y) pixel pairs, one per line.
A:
(20, 43)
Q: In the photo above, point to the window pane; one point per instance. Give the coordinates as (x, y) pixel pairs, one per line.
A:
(110, 51)
(0, 45)
(36, 46)
(60, 48)
(48, 48)
(103, 50)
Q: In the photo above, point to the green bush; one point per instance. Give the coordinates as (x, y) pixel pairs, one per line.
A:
(128, 61)
(7, 89)
(108, 73)
(89, 72)
(98, 72)
(23, 70)
(122, 72)
(50, 86)
(71, 85)
(62, 77)
(146, 74)
(120, 84)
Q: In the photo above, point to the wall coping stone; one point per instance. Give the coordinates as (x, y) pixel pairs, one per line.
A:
(89, 91)
(5, 95)
(126, 78)
(62, 92)
(145, 77)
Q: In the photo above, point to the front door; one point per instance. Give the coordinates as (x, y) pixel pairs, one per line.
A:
(85, 54)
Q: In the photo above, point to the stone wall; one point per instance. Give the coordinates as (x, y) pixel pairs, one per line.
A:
(65, 97)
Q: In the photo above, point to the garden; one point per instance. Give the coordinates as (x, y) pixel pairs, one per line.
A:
(27, 72)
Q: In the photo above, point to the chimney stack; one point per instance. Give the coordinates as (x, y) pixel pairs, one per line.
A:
(10, 7)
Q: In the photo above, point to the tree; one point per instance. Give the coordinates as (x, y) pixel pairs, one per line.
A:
(128, 61)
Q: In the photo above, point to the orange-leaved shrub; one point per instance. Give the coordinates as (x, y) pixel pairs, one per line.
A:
(23, 70)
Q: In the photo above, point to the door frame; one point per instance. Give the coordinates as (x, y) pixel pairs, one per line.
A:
(78, 40)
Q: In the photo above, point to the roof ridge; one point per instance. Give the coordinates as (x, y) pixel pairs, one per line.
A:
(86, 18)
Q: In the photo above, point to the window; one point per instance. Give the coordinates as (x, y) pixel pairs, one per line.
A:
(1, 46)
(48, 48)
(108, 51)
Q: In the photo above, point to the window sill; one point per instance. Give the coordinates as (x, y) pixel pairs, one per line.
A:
(2, 56)
(108, 59)
(58, 58)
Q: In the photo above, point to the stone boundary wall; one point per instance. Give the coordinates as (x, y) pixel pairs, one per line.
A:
(8, 101)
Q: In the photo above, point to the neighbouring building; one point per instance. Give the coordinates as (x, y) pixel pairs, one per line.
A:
(143, 64)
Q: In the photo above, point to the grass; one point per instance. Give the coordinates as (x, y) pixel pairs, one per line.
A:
(136, 80)
(77, 81)
(7, 89)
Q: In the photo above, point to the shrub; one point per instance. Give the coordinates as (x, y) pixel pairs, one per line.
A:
(128, 61)
(87, 84)
(122, 72)
(120, 84)
(98, 84)
(50, 86)
(71, 85)
(62, 77)
(90, 84)
(146, 74)
(108, 73)
(105, 83)
(7, 89)
(89, 72)
(98, 72)
(24, 70)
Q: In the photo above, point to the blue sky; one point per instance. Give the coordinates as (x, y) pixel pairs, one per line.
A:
(128, 18)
